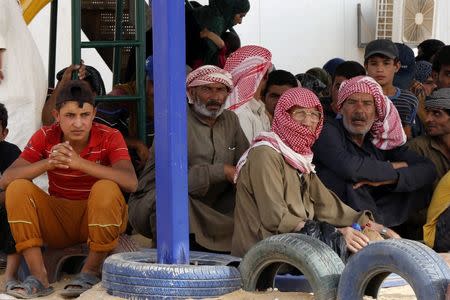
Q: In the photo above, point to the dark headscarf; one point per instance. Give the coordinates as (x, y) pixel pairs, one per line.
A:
(311, 82)
(423, 70)
(218, 16)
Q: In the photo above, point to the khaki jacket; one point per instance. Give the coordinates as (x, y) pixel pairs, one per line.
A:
(273, 197)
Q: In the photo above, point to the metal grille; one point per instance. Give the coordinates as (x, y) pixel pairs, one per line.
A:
(98, 23)
(384, 22)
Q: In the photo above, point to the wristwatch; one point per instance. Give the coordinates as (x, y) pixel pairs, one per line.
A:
(384, 231)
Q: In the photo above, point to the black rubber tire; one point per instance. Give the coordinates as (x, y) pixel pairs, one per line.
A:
(420, 266)
(136, 275)
(320, 265)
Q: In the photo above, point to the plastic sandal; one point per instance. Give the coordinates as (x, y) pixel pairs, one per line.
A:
(79, 284)
(29, 289)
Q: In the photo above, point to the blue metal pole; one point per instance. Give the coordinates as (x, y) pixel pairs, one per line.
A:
(170, 131)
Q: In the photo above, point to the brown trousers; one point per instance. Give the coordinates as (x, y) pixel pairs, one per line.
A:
(38, 219)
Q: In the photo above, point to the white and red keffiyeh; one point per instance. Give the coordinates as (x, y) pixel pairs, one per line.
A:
(387, 130)
(208, 74)
(288, 137)
(247, 66)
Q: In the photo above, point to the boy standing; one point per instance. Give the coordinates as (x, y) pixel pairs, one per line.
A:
(9, 153)
(88, 167)
(381, 60)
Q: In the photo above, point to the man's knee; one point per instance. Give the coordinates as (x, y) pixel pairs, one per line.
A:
(105, 186)
(15, 192)
(106, 194)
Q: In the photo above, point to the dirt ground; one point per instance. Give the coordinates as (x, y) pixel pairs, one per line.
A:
(99, 293)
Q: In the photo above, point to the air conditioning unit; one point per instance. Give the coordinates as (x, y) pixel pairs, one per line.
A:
(405, 21)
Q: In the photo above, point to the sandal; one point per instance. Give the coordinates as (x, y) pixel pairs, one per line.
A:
(11, 284)
(29, 289)
(79, 284)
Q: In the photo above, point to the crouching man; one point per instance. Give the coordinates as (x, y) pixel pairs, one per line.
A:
(88, 167)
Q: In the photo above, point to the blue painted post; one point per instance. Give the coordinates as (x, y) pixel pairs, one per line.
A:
(170, 131)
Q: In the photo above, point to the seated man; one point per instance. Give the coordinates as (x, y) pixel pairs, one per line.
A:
(441, 68)
(88, 167)
(278, 190)
(344, 71)
(435, 145)
(436, 229)
(215, 143)
(120, 116)
(361, 158)
(9, 153)
(277, 83)
(249, 66)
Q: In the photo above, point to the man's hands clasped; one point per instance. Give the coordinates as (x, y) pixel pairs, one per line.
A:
(63, 156)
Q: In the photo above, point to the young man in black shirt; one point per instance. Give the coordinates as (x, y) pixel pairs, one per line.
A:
(8, 153)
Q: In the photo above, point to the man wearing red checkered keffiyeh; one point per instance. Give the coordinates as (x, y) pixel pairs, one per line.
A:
(278, 190)
(362, 158)
(208, 74)
(386, 129)
(248, 65)
(291, 139)
(215, 142)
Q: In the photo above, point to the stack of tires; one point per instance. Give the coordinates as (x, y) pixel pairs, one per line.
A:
(135, 275)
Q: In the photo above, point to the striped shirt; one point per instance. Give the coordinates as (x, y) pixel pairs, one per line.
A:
(406, 104)
(106, 146)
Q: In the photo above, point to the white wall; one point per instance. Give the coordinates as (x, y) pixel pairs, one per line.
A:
(40, 27)
(300, 33)
(307, 33)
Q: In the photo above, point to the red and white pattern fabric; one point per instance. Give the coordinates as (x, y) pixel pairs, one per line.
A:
(208, 74)
(247, 66)
(288, 137)
(387, 130)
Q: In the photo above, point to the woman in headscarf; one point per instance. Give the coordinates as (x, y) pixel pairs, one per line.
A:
(278, 190)
(214, 20)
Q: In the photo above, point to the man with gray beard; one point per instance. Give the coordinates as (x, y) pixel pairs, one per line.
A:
(362, 157)
(215, 144)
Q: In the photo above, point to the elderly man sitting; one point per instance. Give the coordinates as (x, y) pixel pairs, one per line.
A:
(215, 143)
(362, 158)
(278, 190)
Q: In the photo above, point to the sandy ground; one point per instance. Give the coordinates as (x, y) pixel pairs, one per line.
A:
(98, 292)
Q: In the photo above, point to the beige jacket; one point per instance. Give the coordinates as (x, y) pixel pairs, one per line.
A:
(272, 198)
(211, 196)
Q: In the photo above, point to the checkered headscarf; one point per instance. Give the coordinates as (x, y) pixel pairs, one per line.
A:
(296, 136)
(247, 65)
(208, 74)
(288, 137)
(387, 130)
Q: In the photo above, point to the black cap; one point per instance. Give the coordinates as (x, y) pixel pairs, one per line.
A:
(75, 90)
(381, 46)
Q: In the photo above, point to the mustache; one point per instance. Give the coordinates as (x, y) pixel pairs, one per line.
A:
(213, 102)
(359, 117)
